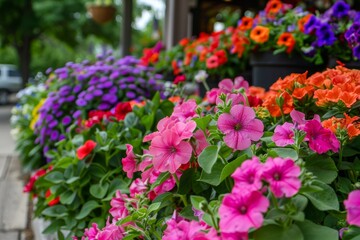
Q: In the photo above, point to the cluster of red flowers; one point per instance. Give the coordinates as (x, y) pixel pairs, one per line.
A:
(119, 113)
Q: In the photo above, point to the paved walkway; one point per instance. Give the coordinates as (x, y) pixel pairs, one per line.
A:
(13, 202)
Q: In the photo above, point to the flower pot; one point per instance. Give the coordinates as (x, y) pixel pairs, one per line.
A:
(351, 64)
(102, 14)
(267, 67)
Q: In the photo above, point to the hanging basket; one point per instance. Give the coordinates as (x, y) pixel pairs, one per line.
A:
(102, 14)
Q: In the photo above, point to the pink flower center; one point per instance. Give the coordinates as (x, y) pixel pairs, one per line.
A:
(277, 176)
(243, 209)
(251, 179)
(237, 127)
(172, 149)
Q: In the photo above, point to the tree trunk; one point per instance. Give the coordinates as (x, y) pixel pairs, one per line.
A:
(24, 56)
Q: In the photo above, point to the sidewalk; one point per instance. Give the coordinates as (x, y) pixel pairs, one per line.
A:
(14, 220)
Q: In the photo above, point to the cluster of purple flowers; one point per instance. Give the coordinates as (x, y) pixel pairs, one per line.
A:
(352, 36)
(78, 88)
(331, 25)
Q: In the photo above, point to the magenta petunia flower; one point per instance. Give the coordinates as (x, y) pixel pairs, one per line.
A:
(320, 139)
(240, 127)
(352, 205)
(118, 206)
(169, 151)
(283, 176)
(129, 162)
(185, 110)
(248, 176)
(284, 134)
(240, 212)
(179, 230)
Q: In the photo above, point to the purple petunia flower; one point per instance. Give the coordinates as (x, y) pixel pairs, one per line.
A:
(97, 93)
(54, 135)
(340, 9)
(130, 95)
(77, 114)
(81, 102)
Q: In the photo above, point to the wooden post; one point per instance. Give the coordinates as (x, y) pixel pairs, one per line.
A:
(126, 33)
(176, 21)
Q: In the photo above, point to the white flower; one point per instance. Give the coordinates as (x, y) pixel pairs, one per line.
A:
(201, 76)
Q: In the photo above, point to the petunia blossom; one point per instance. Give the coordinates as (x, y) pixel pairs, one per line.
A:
(282, 176)
(248, 176)
(240, 127)
(179, 230)
(241, 211)
(284, 134)
(129, 162)
(185, 110)
(320, 139)
(169, 151)
(352, 205)
(86, 149)
(118, 206)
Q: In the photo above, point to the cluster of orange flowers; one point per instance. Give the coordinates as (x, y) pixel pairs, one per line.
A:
(350, 124)
(334, 88)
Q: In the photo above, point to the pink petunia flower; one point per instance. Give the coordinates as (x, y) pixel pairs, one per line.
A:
(284, 135)
(320, 139)
(283, 176)
(185, 110)
(169, 152)
(129, 162)
(201, 141)
(111, 232)
(240, 127)
(240, 212)
(248, 176)
(118, 204)
(212, 95)
(235, 236)
(137, 187)
(179, 230)
(352, 206)
(92, 232)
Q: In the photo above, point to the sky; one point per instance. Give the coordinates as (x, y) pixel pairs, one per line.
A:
(157, 5)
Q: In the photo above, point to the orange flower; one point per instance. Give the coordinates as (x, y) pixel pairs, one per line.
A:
(333, 95)
(260, 34)
(350, 124)
(288, 40)
(174, 99)
(257, 92)
(301, 23)
(273, 7)
(212, 62)
(320, 95)
(348, 98)
(188, 57)
(246, 23)
(271, 103)
(203, 53)
(299, 93)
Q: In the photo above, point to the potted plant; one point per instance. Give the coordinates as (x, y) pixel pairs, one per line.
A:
(102, 11)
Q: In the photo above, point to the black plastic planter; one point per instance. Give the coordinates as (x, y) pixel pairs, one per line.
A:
(267, 67)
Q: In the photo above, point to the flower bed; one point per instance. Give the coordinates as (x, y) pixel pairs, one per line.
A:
(243, 164)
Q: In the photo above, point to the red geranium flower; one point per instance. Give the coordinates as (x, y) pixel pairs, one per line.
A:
(122, 109)
(86, 149)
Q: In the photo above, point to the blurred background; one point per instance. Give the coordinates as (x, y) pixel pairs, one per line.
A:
(38, 34)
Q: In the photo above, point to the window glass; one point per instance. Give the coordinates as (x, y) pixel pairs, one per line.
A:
(14, 73)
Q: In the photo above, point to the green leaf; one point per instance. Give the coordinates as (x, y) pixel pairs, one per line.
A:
(167, 107)
(72, 180)
(203, 122)
(353, 233)
(323, 168)
(186, 181)
(208, 157)
(197, 201)
(162, 178)
(156, 102)
(130, 120)
(87, 208)
(55, 211)
(312, 231)
(153, 207)
(54, 177)
(54, 226)
(78, 140)
(99, 190)
(275, 232)
(148, 121)
(285, 153)
(325, 199)
(213, 178)
(67, 197)
(232, 166)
